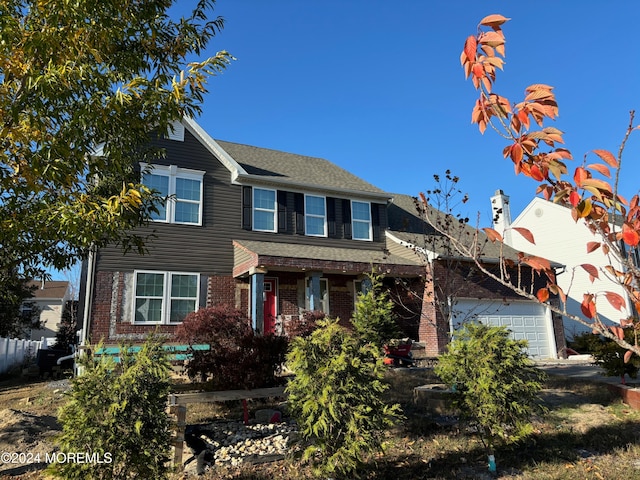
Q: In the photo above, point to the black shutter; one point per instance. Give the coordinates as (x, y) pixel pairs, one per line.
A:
(346, 218)
(282, 211)
(331, 217)
(375, 220)
(299, 207)
(246, 208)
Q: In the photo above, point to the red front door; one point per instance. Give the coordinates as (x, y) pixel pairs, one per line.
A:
(270, 305)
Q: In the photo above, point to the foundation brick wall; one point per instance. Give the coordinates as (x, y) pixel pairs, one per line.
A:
(221, 290)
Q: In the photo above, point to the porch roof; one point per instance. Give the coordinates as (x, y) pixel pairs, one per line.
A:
(274, 256)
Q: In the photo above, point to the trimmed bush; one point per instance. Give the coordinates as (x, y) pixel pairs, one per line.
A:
(117, 413)
(373, 318)
(496, 384)
(336, 398)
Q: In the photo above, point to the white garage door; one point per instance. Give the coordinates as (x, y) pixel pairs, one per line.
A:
(526, 320)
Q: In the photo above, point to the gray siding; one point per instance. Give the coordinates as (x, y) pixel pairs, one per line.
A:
(208, 248)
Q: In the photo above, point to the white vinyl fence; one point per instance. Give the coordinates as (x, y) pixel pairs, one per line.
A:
(14, 351)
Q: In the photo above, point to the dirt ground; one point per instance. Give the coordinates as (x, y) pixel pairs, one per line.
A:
(28, 422)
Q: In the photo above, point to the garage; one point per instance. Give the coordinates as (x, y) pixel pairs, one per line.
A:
(526, 320)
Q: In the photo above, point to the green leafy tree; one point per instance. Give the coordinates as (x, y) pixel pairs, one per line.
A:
(117, 410)
(614, 359)
(66, 336)
(18, 313)
(82, 85)
(335, 396)
(373, 319)
(496, 384)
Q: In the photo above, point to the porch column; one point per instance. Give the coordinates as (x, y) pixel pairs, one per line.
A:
(257, 298)
(314, 290)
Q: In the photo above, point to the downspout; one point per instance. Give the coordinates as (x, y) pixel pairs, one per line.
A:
(88, 297)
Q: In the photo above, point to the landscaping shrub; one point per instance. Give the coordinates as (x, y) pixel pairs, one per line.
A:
(496, 384)
(305, 325)
(237, 357)
(373, 318)
(336, 398)
(610, 356)
(116, 413)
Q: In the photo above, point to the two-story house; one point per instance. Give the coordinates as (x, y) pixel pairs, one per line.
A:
(276, 234)
(269, 232)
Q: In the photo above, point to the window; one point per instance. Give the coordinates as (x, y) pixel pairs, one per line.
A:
(264, 210)
(165, 297)
(315, 216)
(324, 295)
(361, 287)
(361, 220)
(182, 190)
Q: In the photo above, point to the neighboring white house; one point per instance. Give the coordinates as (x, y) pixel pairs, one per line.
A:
(560, 239)
(50, 298)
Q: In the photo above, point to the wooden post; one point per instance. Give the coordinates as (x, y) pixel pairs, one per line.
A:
(180, 413)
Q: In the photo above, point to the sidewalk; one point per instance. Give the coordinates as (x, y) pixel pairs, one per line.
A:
(581, 368)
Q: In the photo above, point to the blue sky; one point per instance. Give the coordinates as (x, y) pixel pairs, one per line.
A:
(377, 87)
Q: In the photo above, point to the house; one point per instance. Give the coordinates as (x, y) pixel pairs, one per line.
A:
(49, 299)
(460, 291)
(272, 233)
(560, 239)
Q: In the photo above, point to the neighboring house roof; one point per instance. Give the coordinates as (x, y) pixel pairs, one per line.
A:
(51, 290)
(250, 253)
(406, 226)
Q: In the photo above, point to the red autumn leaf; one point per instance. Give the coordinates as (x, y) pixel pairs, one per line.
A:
(478, 70)
(627, 356)
(591, 270)
(492, 235)
(493, 20)
(588, 306)
(537, 263)
(470, 46)
(543, 295)
(526, 233)
(516, 152)
(607, 157)
(616, 300)
(600, 168)
(536, 173)
(618, 332)
(580, 175)
(574, 198)
(596, 183)
(592, 246)
(630, 236)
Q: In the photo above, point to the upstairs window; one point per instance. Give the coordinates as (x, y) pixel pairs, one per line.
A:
(182, 192)
(315, 216)
(264, 210)
(165, 297)
(361, 220)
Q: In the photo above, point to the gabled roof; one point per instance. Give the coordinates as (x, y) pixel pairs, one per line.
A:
(51, 290)
(406, 226)
(255, 165)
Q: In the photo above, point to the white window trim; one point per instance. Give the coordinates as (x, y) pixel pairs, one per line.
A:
(324, 217)
(354, 220)
(255, 209)
(166, 296)
(174, 172)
